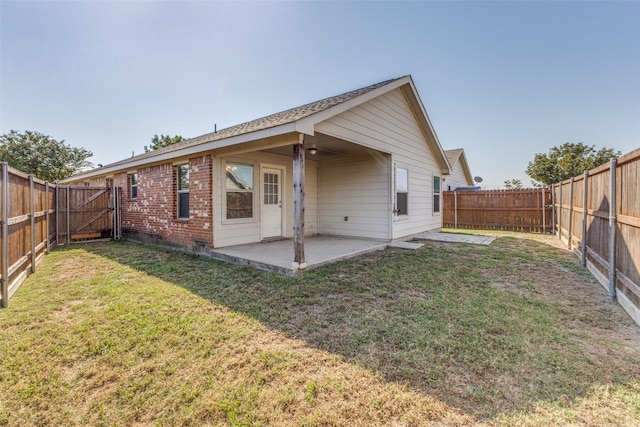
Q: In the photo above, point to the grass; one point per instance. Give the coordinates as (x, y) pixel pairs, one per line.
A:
(118, 333)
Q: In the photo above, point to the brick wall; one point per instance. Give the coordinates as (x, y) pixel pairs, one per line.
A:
(154, 212)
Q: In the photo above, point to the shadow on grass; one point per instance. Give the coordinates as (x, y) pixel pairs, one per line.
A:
(466, 324)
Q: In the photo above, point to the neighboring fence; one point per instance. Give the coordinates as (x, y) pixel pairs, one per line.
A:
(36, 215)
(598, 216)
(526, 210)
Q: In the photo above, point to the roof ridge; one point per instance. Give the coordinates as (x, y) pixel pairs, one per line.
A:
(272, 120)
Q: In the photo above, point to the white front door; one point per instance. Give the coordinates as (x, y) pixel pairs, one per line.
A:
(271, 211)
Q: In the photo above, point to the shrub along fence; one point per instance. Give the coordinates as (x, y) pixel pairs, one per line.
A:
(598, 216)
(36, 215)
(526, 210)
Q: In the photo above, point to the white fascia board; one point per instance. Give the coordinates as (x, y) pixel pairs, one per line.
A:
(188, 151)
(306, 127)
(423, 114)
(465, 168)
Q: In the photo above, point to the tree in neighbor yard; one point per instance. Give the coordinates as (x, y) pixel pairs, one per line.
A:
(513, 184)
(568, 160)
(42, 156)
(163, 141)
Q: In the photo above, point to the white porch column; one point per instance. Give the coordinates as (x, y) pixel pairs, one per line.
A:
(298, 203)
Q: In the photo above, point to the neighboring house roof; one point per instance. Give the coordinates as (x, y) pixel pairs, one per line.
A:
(299, 119)
(457, 155)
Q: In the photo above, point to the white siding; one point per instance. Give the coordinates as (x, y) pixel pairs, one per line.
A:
(236, 232)
(356, 188)
(387, 124)
(457, 178)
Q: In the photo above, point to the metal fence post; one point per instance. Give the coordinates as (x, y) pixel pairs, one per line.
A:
(4, 214)
(585, 207)
(612, 229)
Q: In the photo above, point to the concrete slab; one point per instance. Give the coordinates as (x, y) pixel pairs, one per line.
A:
(456, 238)
(406, 245)
(278, 256)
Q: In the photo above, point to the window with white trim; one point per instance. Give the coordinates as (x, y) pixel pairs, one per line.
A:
(402, 191)
(239, 186)
(182, 185)
(133, 185)
(436, 194)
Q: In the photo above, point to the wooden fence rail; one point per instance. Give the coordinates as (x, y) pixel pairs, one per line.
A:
(598, 216)
(526, 210)
(36, 215)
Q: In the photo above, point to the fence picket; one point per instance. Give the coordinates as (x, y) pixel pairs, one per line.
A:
(516, 210)
(610, 231)
(25, 227)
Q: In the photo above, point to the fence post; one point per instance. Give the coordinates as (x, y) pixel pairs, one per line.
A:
(46, 218)
(455, 209)
(32, 214)
(4, 213)
(585, 207)
(553, 209)
(119, 221)
(57, 214)
(544, 214)
(569, 236)
(560, 211)
(68, 219)
(612, 229)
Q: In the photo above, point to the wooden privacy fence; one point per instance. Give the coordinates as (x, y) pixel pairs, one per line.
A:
(36, 215)
(516, 210)
(598, 216)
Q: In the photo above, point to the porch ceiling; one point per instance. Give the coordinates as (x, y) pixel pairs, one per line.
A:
(329, 148)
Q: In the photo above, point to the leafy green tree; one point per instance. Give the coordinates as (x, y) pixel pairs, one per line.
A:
(42, 156)
(513, 184)
(569, 159)
(162, 141)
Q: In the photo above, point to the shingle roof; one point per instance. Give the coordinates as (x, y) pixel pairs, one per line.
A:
(273, 120)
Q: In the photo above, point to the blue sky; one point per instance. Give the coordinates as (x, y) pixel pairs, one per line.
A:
(503, 80)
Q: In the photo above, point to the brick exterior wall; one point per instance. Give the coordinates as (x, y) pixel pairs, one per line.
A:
(154, 212)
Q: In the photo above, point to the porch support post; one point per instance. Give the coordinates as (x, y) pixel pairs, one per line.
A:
(298, 203)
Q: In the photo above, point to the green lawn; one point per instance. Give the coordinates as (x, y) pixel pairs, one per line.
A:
(119, 333)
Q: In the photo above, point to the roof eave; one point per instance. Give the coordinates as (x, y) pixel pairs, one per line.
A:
(196, 149)
(432, 137)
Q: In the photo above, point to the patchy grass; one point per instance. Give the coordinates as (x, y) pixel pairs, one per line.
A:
(120, 333)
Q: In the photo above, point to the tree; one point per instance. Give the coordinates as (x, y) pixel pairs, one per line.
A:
(513, 184)
(568, 160)
(42, 156)
(162, 141)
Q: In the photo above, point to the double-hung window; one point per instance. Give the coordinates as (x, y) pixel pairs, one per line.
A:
(402, 191)
(436, 194)
(133, 185)
(239, 186)
(182, 175)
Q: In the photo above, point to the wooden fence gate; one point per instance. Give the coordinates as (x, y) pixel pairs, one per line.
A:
(85, 213)
(36, 215)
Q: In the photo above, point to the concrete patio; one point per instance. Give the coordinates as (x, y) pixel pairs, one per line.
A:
(278, 256)
(319, 250)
